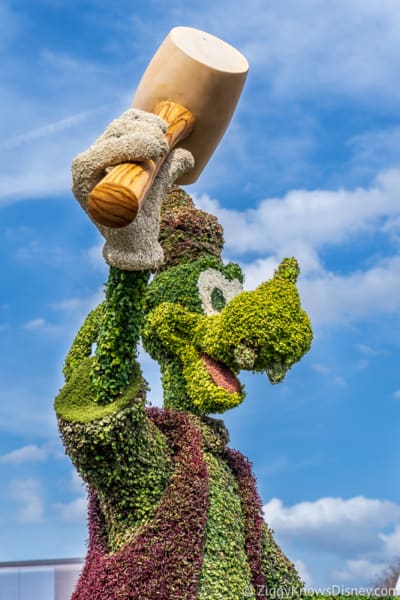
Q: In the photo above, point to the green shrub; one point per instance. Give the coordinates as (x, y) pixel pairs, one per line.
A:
(119, 333)
(116, 449)
(85, 338)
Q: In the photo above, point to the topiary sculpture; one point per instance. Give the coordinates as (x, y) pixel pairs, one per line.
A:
(173, 512)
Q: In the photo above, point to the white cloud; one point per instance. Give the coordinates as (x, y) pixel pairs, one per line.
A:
(367, 350)
(346, 541)
(345, 527)
(35, 251)
(355, 570)
(44, 327)
(314, 46)
(338, 380)
(27, 493)
(392, 541)
(302, 221)
(34, 324)
(47, 130)
(338, 299)
(68, 305)
(259, 270)
(79, 306)
(330, 512)
(74, 511)
(41, 135)
(374, 150)
(333, 298)
(295, 51)
(30, 453)
(347, 47)
(396, 394)
(72, 313)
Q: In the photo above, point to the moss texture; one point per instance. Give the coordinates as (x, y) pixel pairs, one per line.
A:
(77, 400)
(280, 574)
(119, 333)
(163, 559)
(186, 232)
(269, 320)
(175, 311)
(225, 571)
(173, 512)
(265, 330)
(119, 453)
(168, 333)
(178, 285)
(252, 514)
(85, 338)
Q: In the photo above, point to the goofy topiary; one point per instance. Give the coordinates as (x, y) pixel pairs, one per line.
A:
(173, 512)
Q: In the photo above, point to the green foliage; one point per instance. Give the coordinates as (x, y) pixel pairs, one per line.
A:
(215, 436)
(207, 397)
(146, 472)
(225, 571)
(119, 333)
(345, 597)
(163, 558)
(280, 573)
(169, 332)
(178, 285)
(174, 384)
(118, 452)
(76, 402)
(288, 269)
(263, 330)
(269, 320)
(174, 306)
(82, 345)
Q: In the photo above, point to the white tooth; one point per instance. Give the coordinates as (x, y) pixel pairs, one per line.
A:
(244, 356)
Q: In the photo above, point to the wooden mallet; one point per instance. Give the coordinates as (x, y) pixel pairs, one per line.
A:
(193, 82)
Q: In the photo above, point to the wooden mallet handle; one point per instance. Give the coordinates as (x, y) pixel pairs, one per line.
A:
(116, 200)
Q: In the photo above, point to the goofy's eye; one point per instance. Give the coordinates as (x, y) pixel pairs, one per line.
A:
(218, 300)
(216, 291)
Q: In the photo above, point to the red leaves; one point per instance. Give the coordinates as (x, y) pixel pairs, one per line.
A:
(165, 556)
(252, 512)
(186, 233)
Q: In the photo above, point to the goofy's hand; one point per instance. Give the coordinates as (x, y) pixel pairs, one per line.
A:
(133, 137)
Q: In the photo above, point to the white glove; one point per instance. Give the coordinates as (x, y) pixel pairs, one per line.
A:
(135, 136)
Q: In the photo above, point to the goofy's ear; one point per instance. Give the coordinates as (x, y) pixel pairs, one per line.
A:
(288, 269)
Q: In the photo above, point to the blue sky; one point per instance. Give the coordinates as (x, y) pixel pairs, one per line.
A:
(310, 167)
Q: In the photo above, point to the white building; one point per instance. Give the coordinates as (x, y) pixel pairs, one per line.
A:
(39, 579)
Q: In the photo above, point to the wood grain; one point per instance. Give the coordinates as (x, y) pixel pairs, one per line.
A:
(116, 200)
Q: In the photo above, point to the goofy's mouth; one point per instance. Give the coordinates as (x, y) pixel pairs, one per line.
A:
(221, 374)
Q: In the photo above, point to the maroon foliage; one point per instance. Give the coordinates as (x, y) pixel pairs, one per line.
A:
(186, 233)
(164, 558)
(252, 511)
